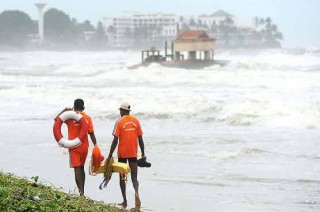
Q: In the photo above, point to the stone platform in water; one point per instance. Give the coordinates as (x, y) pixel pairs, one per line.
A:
(198, 64)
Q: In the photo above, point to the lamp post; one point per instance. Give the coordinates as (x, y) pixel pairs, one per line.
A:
(40, 5)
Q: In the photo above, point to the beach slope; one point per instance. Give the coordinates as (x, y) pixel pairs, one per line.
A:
(20, 194)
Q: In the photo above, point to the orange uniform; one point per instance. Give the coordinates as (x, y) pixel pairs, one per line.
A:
(127, 129)
(79, 154)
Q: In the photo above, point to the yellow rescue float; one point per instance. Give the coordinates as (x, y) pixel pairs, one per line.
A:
(97, 166)
(121, 168)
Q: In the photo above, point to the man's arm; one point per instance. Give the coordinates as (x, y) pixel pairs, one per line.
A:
(141, 144)
(93, 138)
(113, 146)
(66, 109)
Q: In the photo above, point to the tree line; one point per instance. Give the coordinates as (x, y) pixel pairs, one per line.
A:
(266, 30)
(17, 29)
(264, 34)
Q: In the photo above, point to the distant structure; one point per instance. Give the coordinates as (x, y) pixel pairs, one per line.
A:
(134, 28)
(215, 18)
(138, 30)
(40, 5)
(197, 43)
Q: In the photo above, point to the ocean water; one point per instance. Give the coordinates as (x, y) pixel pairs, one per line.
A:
(240, 137)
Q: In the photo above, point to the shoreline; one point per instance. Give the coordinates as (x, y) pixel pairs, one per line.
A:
(175, 182)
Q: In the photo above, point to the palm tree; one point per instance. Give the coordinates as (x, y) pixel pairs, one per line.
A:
(141, 35)
(213, 27)
(128, 32)
(181, 19)
(268, 21)
(228, 21)
(111, 29)
(192, 23)
(274, 27)
(256, 21)
(226, 28)
(185, 26)
(270, 33)
(278, 36)
(200, 24)
(206, 27)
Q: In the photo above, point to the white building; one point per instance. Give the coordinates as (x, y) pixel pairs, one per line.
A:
(246, 23)
(125, 29)
(133, 29)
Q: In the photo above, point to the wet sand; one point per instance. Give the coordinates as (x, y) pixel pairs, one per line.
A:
(30, 150)
(173, 183)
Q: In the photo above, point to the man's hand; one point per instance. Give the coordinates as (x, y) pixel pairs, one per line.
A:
(64, 110)
(107, 165)
(106, 162)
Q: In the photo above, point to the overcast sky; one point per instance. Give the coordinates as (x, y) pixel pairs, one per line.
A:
(299, 20)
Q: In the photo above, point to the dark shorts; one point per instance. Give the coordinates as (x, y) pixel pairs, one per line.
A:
(124, 160)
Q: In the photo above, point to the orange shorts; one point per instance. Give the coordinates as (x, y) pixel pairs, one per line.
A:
(77, 158)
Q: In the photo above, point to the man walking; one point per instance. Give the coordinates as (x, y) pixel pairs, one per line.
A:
(79, 154)
(127, 131)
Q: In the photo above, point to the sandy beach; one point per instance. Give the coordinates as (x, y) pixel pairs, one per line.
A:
(39, 155)
(174, 183)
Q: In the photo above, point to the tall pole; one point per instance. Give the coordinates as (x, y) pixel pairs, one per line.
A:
(40, 5)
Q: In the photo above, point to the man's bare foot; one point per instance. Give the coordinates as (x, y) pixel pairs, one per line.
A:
(137, 201)
(124, 204)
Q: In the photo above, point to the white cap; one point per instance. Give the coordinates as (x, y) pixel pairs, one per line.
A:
(125, 106)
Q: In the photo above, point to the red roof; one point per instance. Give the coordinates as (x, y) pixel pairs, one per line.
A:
(194, 35)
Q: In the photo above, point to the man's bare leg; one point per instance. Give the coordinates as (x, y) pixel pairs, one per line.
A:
(80, 178)
(123, 192)
(134, 179)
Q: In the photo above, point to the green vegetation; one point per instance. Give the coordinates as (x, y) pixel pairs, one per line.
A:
(17, 194)
(17, 29)
(269, 32)
(58, 27)
(264, 34)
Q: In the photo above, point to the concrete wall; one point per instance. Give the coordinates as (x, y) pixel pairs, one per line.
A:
(180, 46)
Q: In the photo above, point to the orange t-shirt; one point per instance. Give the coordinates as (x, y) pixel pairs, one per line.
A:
(74, 130)
(127, 129)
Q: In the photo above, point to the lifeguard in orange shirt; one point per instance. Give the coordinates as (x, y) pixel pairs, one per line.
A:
(79, 154)
(128, 132)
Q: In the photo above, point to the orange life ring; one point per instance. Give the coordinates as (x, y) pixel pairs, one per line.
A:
(63, 142)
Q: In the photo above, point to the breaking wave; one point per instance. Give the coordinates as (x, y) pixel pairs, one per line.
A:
(263, 88)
